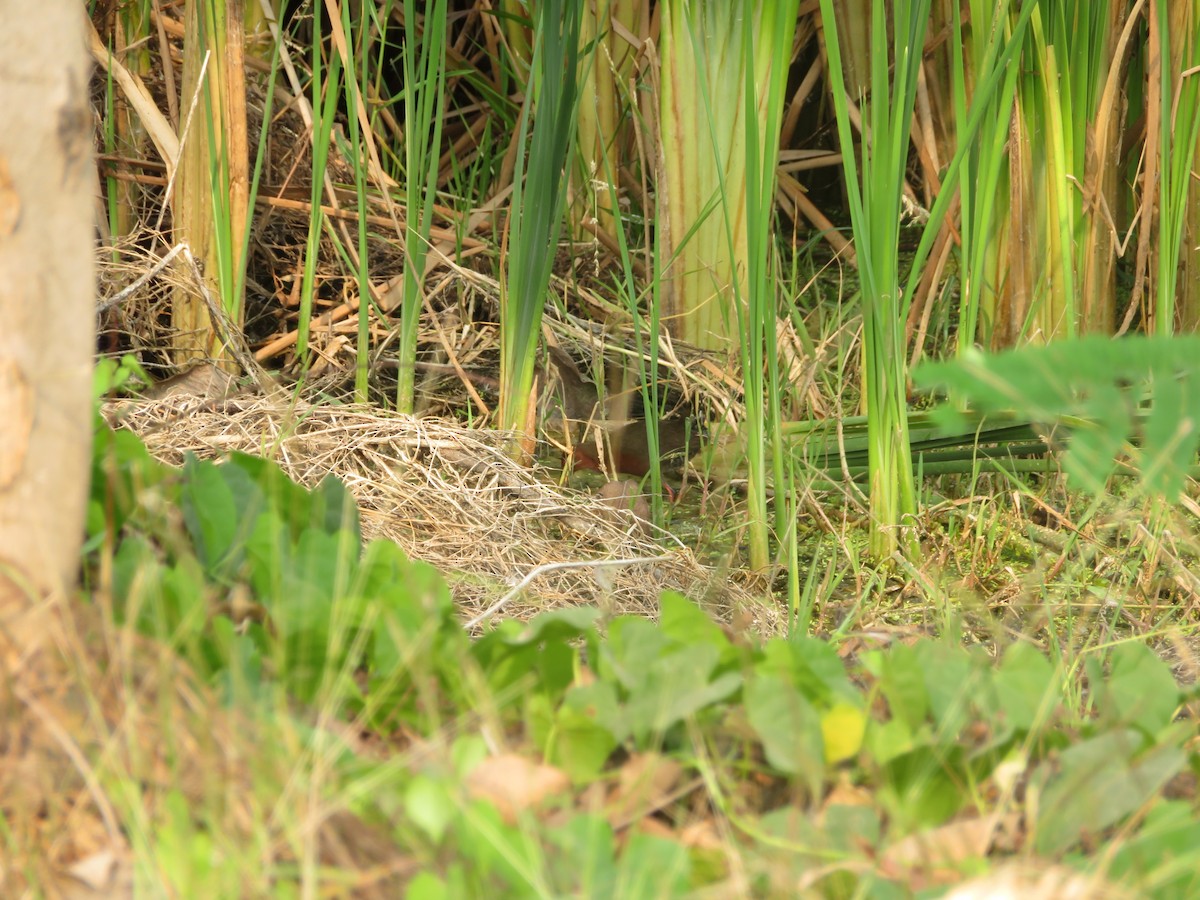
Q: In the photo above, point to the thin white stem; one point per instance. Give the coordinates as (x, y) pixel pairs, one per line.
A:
(555, 567)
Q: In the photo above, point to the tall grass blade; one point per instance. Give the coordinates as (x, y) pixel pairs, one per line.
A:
(357, 151)
(1179, 128)
(424, 98)
(982, 177)
(766, 52)
(875, 211)
(1064, 186)
(325, 90)
(538, 203)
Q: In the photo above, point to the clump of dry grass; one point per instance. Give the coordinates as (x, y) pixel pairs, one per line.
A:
(450, 496)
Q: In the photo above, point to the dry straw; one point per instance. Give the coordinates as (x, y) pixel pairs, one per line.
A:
(450, 496)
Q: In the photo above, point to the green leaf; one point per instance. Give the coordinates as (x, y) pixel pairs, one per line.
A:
(268, 555)
(384, 564)
(953, 678)
(311, 610)
(581, 745)
(851, 828)
(329, 507)
(1098, 783)
(136, 570)
(555, 625)
(415, 626)
(776, 660)
(598, 702)
(633, 646)
(181, 613)
(543, 647)
(427, 886)
(315, 572)
(651, 867)
(585, 864)
(1027, 687)
(429, 804)
(1170, 433)
(675, 687)
(887, 740)
(1160, 858)
(513, 852)
(788, 726)
(684, 621)
(212, 511)
(556, 664)
(237, 656)
(125, 478)
(819, 672)
(415, 612)
(334, 509)
(903, 684)
(923, 789)
(1141, 690)
(1093, 388)
(468, 751)
(810, 665)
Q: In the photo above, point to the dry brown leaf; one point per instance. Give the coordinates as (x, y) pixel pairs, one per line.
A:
(104, 875)
(945, 846)
(513, 783)
(703, 835)
(644, 784)
(845, 793)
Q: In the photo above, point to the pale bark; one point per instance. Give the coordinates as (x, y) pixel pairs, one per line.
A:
(46, 306)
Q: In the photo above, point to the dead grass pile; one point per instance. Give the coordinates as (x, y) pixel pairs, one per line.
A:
(508, 541)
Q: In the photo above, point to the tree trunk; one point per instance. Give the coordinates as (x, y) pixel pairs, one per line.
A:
(46, 305)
